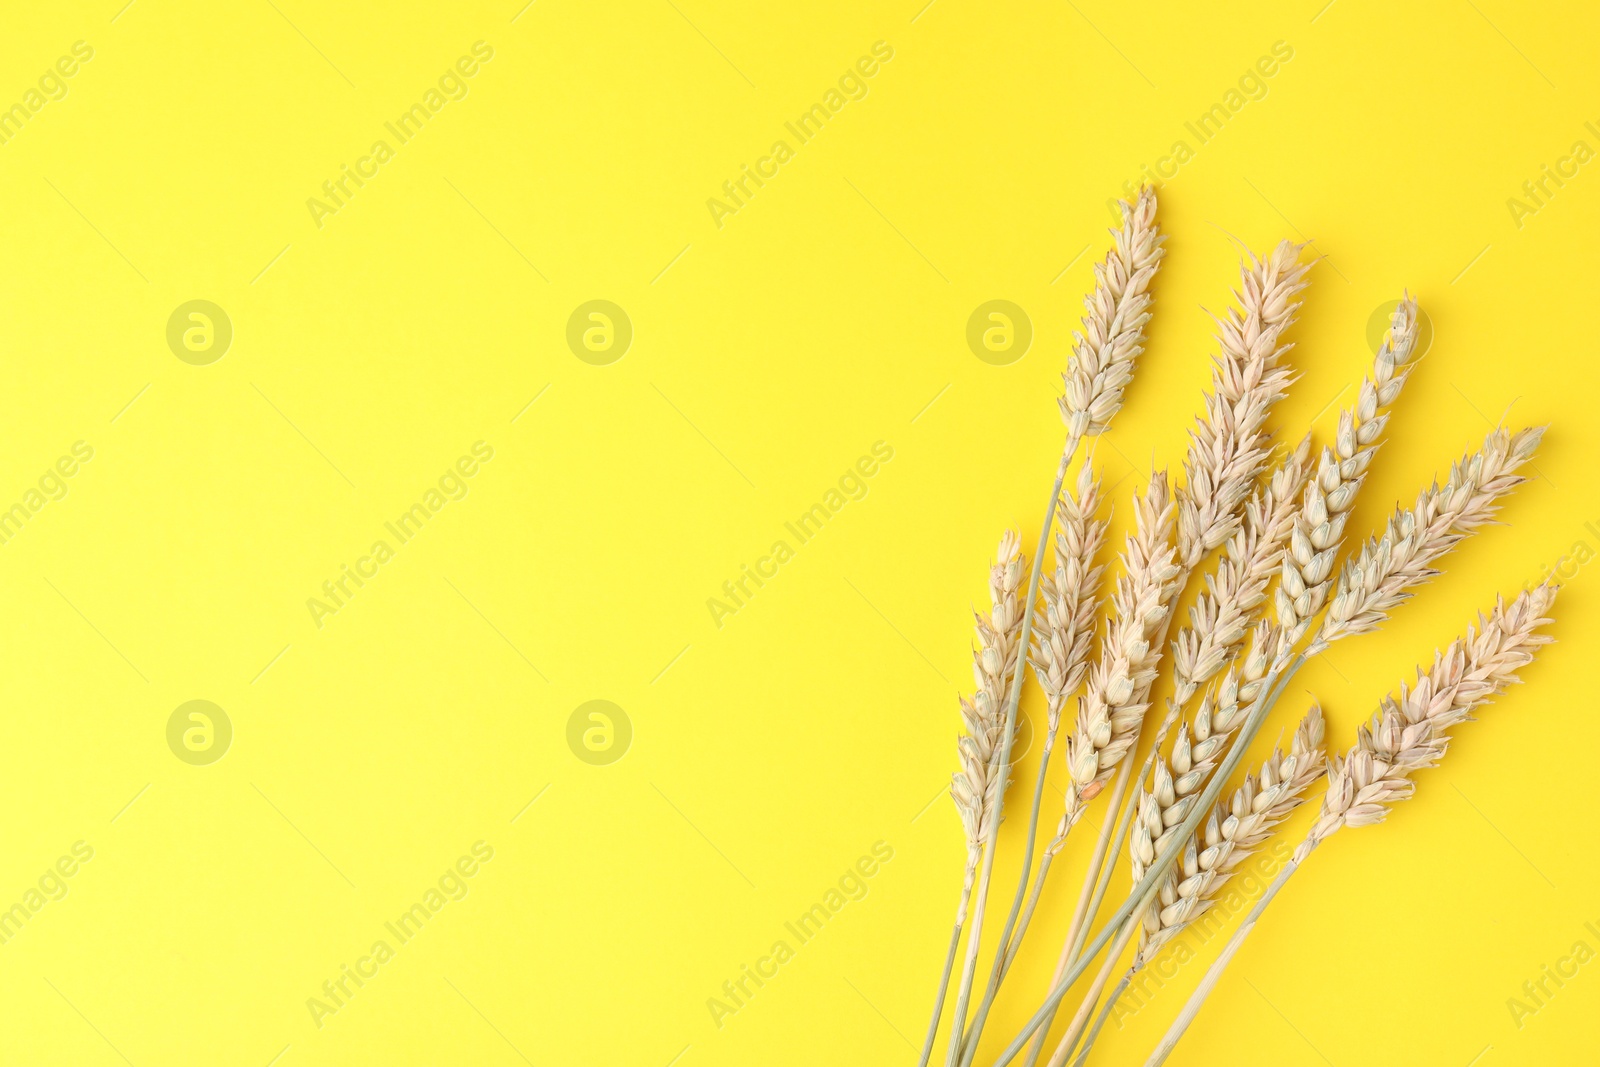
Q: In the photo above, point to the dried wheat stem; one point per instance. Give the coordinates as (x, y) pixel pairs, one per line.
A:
(1319, 528)
(1408, 733)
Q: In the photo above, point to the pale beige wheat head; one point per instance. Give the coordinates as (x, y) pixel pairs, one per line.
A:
(1319, 528)
(1178, 780)
(1379, 577)
(1113, 706)
(978, 785)
(1411, 731)
(1228, 444)
(1064, 623)
(1104, 351)
(1220, 618)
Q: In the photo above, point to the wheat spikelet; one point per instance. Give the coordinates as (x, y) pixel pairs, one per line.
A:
(978, 785)
(1227, 446)
(1234, 830)
(1377, 579)
(1319, 529)
(1104, 351)
(1197, 750)
(1065, 622)
(1411, 732)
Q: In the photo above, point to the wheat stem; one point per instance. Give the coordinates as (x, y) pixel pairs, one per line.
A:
(1001, 768)
(1145, 890)
(949, 965)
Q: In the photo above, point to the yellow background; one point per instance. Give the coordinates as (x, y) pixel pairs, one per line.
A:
(769, 354)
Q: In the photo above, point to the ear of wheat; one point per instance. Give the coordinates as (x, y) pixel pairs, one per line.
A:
(977, 787)
(1409, 733)
(1227, 448)
(1380, 577)
(1307, 571)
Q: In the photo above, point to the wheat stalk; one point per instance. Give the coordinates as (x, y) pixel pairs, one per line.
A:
(1101, 366)
(977, 787)
(1407, 734)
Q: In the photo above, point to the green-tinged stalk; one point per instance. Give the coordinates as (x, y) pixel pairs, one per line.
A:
(1100, 1020)
(1001, 768)
(944, 978)
(1144, 892)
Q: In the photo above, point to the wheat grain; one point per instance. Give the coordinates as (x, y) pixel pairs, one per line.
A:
(1319, 529)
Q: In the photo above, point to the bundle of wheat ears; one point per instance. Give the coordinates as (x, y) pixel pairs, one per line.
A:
(1274, 595)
